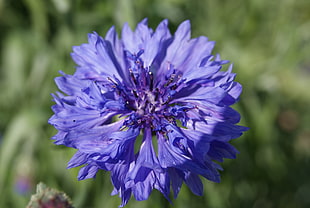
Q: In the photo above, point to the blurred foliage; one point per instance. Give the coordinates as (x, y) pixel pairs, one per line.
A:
(268, 42)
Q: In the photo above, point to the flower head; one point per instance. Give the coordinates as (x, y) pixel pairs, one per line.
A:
(152, 108)
(46, 197)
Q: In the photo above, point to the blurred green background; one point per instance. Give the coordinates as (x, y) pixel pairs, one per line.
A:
(268, 42)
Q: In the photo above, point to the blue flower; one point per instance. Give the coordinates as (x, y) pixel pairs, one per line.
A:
(151, 108)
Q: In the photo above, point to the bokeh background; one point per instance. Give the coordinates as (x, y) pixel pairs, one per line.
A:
(268, 42)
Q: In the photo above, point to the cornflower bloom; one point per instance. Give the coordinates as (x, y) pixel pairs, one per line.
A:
(151, 108)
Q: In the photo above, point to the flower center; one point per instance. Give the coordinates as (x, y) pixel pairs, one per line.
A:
(149, 100)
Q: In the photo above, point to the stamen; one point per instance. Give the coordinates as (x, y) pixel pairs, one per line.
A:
(171, 78)
(132, 76)
(151, 78)
(135, 93)
(111, 80)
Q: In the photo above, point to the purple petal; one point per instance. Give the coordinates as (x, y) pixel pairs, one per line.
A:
(70, 85)
(88, 171)
(143, 184)
(156, 44)
(194, 183)
(219, 150)
(169, 158)
(130, 41)
(78, 159)
(176, 180)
